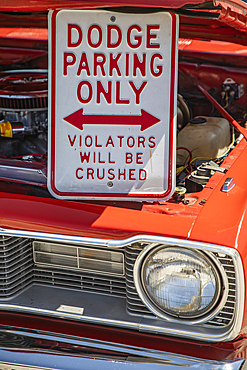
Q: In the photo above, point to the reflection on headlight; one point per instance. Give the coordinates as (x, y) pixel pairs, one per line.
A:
(180, 281)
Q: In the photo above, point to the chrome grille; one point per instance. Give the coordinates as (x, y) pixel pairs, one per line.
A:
(16, 265)
(18, 271)
(134, 304)
(104, 284)
(226, 314)
(27, 286)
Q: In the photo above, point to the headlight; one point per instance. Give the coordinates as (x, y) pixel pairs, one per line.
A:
(178, 282)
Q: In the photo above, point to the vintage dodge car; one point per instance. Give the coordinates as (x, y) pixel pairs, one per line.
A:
(123, 184)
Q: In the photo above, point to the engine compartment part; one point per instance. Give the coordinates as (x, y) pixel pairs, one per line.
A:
(231, 91)
(205, 137)
(183, 113)
(24, 115)
(12, 129)
(24, 120)
(24, 98)
(228, 185)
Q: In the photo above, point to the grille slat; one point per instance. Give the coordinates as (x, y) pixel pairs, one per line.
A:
(14, 273)
(9, 241)
(11, 250)
(90, 283)
(16, 265)
(14, 286)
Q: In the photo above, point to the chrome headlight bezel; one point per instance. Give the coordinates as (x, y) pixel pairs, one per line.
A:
(201, 317)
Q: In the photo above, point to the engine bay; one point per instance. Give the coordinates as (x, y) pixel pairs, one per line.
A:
(204, 137)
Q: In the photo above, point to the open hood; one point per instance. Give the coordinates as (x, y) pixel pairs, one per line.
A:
(215, 20)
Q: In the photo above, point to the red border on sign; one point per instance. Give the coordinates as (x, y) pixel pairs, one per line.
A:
(137, 196)
(53, 96)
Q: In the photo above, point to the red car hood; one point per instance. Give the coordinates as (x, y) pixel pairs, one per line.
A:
(222, 20)
(213, 220)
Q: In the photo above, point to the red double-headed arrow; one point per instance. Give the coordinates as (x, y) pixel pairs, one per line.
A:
(78, 119)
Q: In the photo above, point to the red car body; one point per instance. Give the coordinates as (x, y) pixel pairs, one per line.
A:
(212, 49)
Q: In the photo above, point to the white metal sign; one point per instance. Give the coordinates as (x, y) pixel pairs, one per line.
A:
(112, 84)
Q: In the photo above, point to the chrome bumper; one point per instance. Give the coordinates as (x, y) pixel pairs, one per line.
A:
(21, 349)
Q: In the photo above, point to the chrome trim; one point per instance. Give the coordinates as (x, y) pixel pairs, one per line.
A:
(145, 325)
(111, 243)
(228, 185)
(18, 110)
(35, 176)
(204, 317)
(138, 326)
(21, 349)
(13, 71)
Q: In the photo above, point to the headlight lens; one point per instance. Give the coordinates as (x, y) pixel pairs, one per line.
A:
(180, 282)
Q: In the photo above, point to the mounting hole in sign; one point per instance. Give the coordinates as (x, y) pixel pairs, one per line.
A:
(110, 184)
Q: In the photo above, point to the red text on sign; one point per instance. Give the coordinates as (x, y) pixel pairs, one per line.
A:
(119, 141)
(114, 36)
(100, 64)
(131, 174)
(111, 94)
